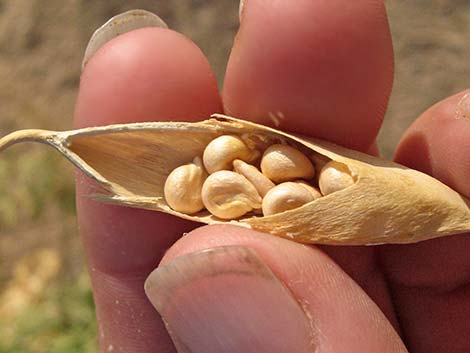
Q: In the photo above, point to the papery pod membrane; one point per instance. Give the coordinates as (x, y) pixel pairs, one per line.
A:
(388, 203)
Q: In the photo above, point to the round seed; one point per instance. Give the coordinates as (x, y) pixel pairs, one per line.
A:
(229, 195)
(334, 176)
(285, 163)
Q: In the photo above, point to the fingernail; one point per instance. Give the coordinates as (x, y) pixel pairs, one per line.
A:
(227, 300)
(240, 9)
(120, 24)
(462, 110)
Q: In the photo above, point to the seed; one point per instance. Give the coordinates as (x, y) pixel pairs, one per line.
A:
(222, 151)
(287, 196)
(285, 163)
(261, 183)
(229, 195)
(334, 176)
(183, 187)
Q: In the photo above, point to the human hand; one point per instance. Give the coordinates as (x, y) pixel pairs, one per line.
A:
(328, 67)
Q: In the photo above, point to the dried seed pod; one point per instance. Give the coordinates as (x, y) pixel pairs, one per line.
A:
(229, 195)
(388, 203)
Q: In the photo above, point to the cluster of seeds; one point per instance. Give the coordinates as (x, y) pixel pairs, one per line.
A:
(228, 183)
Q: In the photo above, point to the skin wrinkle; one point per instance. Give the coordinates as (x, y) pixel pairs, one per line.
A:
(133, 323)
(428, 274)
(366, 276)
(304, 304)
(431, 310)
(445, 288)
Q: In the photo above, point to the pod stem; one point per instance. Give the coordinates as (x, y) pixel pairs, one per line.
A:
(31, 135)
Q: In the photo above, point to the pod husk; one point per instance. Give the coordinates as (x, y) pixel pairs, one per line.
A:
(388, 203)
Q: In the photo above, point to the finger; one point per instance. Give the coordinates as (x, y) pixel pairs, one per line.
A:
(323, 68)
(438, 142)
(257, 293)
(147, 74)
(430, 280)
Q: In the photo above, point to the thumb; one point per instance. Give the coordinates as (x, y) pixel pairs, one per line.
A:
(227, 289)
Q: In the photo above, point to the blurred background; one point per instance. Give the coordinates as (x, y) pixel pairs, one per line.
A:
(46, 303)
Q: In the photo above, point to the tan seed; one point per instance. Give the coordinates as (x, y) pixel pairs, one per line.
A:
(261, 183)
(334, 176)
(285, 163)
(222, 151)
(229, 195)
(287, 196)
(183, 187)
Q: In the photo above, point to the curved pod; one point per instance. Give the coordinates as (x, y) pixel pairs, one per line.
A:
(388, 203)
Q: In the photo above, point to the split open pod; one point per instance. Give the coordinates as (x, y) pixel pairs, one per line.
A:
(385, 203)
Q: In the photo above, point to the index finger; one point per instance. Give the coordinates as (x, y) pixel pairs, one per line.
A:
(147, 74)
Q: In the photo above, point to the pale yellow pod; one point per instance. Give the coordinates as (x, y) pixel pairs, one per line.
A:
(387, 203)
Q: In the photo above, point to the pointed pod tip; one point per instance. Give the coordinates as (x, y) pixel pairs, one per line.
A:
(31, 135)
